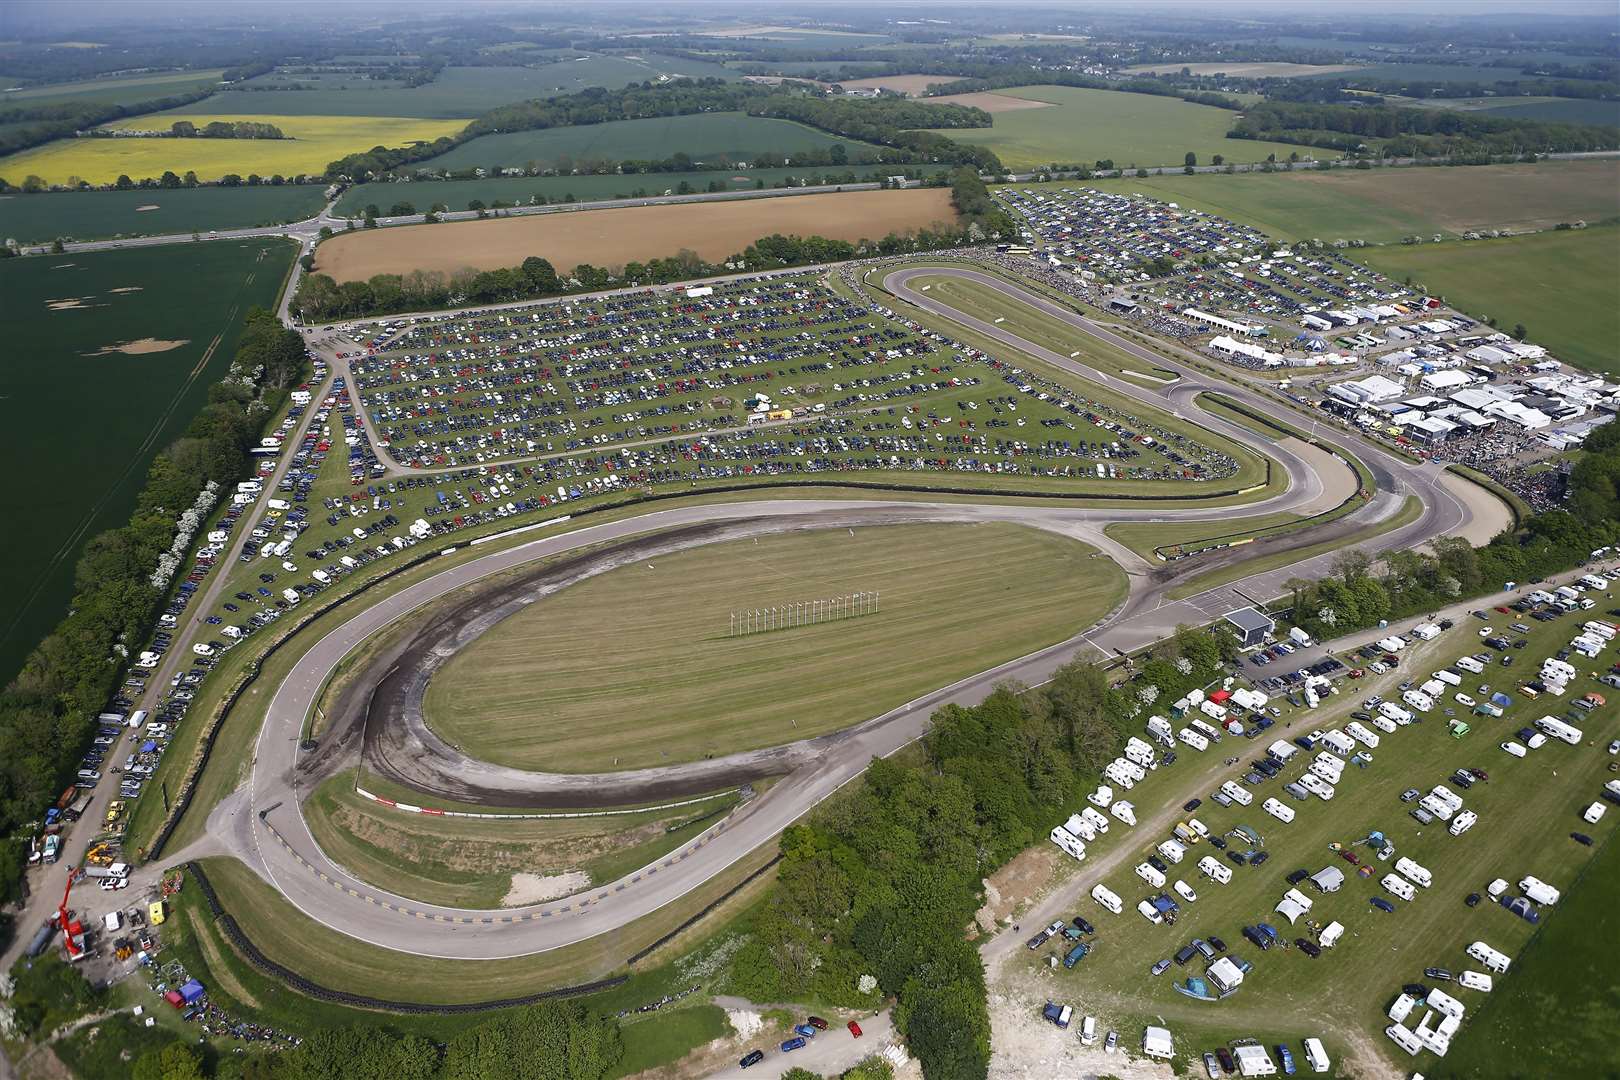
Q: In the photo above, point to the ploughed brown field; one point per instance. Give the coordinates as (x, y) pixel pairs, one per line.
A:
(611, 238)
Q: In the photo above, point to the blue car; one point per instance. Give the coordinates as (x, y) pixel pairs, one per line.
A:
(791, 1045)
(1381, 904)
(806, 1030)
(1286, 1056)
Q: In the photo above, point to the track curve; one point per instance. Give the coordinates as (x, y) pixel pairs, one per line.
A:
(264, 820)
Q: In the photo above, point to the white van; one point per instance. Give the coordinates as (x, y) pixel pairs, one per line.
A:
(1148, 874)
(1088, 1031)
(1277, 810)
(1237, 793)
(1398, 886)
(1150, 913)
(1107, 898)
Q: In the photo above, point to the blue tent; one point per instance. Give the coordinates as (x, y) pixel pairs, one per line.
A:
(148, 746)
(1501, 700)
(191, 991)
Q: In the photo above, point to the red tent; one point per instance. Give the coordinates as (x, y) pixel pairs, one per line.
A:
(1219, 696)
(173, 998)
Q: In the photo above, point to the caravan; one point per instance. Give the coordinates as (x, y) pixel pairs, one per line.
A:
(1148, 874)
(1277, 810)
(1193, 739)
(1069, 842)
(1096, 820)
(1339, 743)
(1469, 664)
(1413, 872)
(1237, 793)
(1216, 871)
(1418, 700)
(1079, 826)
(1556, 728)
(1450, 678)
(1107, 898)
(1398, 886)
(1494, 960)
(1361, 734)
(1171, 851)
(1394, 712)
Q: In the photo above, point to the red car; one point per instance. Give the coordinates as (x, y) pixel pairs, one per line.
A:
(1349, 856)
(855, 1029)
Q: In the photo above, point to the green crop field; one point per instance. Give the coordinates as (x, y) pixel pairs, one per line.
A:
(101, 215)
(458, 91)
(1561, 285)
(1384, 205)
(704, 137)
(1554, 110)
(1084, 126)
(520, 190)
(128, 90)
(1525, 813)
(646, 674)
(481, 863)
(1465, 73)
(112, 353)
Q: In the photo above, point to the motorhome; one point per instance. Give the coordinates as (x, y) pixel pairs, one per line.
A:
(1068, 842)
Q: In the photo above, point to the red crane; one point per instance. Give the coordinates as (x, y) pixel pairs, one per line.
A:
(71, 929)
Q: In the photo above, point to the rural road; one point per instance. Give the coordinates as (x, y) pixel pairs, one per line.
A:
(264, 824)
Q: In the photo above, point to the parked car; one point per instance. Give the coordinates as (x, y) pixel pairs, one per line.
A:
(753, 1057)
(1159, 968)
(1438, 973)
(1286, 1057)
(854, 1029)
(1381, 904)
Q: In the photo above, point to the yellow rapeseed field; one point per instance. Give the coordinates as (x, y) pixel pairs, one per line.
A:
(313, 142)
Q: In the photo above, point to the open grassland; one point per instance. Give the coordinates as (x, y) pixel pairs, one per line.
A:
(1525, 813)
(1384, 205)
(612, 237)
(341, 962)
(458, 91)
(118, 90)
(524, 190)
(704, 137)
(910, 85)
(312, 143)
(483, 863)
(101, 215)
(989, 101)
(1561, 285)
(1562, 991)
(634, 668)
(1131, 129)
(111, 353)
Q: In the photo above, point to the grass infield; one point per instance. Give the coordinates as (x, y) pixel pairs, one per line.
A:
(634, 668)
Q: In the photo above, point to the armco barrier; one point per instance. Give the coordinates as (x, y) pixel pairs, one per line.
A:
(188, 789)
(693, 921)
(267, 966)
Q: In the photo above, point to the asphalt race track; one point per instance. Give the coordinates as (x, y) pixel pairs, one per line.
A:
(262, 823)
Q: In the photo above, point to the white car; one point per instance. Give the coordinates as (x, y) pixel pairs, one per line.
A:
(1514, 748)
(1185, 891)
(1486, 631)
(1464, 699)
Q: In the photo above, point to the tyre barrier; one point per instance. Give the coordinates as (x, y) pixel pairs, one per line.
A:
(707, 909)
(267, 966)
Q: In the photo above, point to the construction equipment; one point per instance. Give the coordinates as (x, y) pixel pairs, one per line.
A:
(101, 853)
(72, 930)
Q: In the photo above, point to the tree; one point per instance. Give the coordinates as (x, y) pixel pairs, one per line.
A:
(177, 1061)
(123, 183)
(1218, 159)
(1191, 159)
(1519, 331)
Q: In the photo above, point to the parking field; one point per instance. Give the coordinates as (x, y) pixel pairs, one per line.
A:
(1527, 808)
(645, 673)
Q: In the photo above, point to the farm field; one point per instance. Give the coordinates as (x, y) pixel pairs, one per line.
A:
(470, 862)
(1551, 109)
(1525, 811)
(1560, 285)
(122, 343)
(910, 85)
(312, 143)
(1465, 73)
(125, 90)
(457, 92)
(715, 231)
(651, 640)
(704, 137)
(1384, 205)
(520, 190)
(989, 101)
(101, 215)
(1131, 129)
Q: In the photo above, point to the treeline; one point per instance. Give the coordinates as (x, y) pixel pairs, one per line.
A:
(881, 122)
(226, 129)
(320, 298)
(1331, 90)
(1356, 595)
(25, 126)
(880, 884)
(1414, 132)
(47, 714)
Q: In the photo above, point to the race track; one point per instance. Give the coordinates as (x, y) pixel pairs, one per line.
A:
(263, 824)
